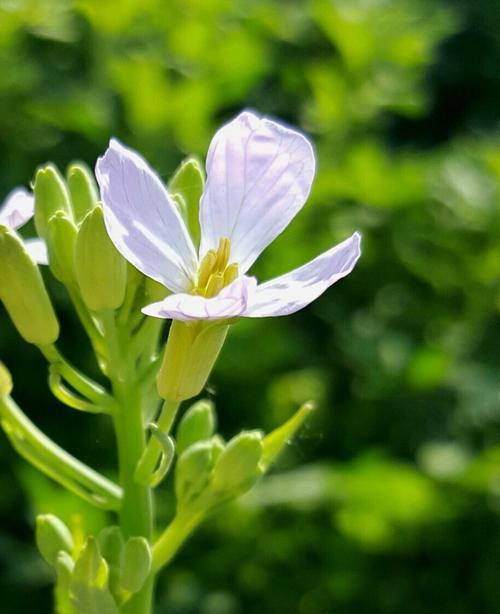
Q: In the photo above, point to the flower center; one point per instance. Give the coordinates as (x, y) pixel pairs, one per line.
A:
(215, 272)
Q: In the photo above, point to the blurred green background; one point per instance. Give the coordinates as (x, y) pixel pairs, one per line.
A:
(389, 501)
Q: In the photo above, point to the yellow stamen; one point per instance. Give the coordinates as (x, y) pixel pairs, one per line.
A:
(230, 274)
(215, 285)
(215, 273)
(206, 268)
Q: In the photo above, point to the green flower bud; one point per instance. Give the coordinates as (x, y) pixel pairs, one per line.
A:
(237, 469)
(51, 195)
(83, 190)
(192, 473)
(136, 564)
(89, 585)
(100, 269)
(23, 292)
(190, 354)
(52, 537)
(5, 381)
(197, 424)
(61, 242)
(64, 571)
(154, 290)
(276, 441)
(188, 183)
(111, 544)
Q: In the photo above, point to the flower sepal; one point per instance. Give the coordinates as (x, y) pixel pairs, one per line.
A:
(190, 354)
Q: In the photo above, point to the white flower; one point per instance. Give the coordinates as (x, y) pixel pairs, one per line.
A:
(259, 174)
(16, 211)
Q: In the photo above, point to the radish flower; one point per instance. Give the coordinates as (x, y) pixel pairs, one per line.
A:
(259, 175)
(16, 211)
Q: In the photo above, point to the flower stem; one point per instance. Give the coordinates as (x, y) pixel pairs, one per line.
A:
(153, 451)
(173, 537)
(136, 514)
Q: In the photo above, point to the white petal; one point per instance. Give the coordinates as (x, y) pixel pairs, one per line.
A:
(293, 291)
(231, 302)
(37, 249)
(259, 175)
(17, 209)
(142, 220)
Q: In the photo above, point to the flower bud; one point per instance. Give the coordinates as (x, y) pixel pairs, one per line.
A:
(100, 269)
(135, 564)
(237, 468)
(276, 440)
(83, 190)
(5, 381)
(192, 472)
(89, 586)
(52, 537)
(190, 354)
(51, 195)
(197, 424)
(61, 241)
(23, 292)
(188, 183)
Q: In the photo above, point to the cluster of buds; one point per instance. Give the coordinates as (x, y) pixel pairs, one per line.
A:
(131, 254)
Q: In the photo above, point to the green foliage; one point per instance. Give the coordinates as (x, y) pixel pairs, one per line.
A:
(401, 100)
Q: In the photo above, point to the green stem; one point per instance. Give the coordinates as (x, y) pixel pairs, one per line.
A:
(54, 461)
(151, 457)
(173, 537)
(136, 513)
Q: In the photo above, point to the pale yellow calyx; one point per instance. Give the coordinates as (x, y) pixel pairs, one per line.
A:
(215, 272)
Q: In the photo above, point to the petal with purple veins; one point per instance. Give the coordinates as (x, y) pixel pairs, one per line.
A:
(295, 290)
(231, 302)
(143, 221)
(259, 174)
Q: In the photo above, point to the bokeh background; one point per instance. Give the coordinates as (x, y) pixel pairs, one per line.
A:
(389, 501)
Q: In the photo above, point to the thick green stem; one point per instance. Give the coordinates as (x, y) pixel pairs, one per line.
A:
(173, 537)
(136, 512)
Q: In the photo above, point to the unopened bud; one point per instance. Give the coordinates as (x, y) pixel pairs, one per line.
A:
(51, 195)
(135, 564)
(83, 190)
(197, 424)
(190, 354)
(61, 241)
(101, 271)
(188, 183)
(237, 469)
(192, 472)
(23, 292)
(52, 537)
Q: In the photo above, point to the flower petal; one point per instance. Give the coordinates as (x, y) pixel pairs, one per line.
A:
(17, 209)
(293, 291)
(231, 302)
(143, 221)
(259, 175)
(37, 249)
